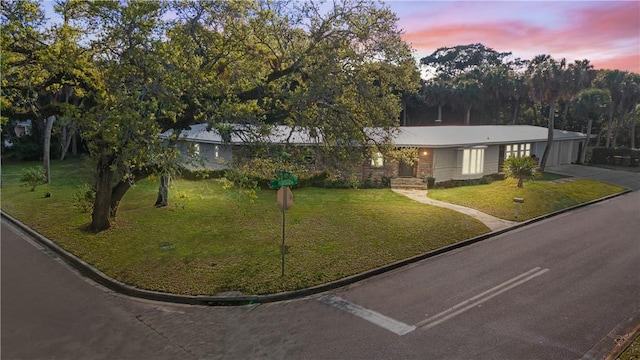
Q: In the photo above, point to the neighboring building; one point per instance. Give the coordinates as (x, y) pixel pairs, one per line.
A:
(20, 129)
(444, 152)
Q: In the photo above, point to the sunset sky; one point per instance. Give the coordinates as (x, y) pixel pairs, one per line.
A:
(605, 32)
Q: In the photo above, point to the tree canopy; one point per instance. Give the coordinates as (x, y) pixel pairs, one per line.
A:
(134, 69)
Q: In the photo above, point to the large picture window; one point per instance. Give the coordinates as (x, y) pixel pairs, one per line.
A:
(472, 161)
(517, 150)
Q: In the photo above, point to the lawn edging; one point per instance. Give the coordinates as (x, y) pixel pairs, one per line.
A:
(213, 300)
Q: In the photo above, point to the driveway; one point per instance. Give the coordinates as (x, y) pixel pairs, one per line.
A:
(629, 180)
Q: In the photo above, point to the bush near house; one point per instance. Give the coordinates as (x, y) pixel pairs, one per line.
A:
(607, 156)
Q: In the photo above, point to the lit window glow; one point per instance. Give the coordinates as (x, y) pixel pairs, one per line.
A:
(377, 160)
(472, 161)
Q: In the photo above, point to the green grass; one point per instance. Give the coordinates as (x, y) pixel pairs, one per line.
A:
(540, 197)
(210, 241)
(633, 351)
(217, 243)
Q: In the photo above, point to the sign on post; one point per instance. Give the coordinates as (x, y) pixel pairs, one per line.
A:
(285, 199)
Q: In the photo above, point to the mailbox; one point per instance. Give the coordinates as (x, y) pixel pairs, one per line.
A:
(518, 201)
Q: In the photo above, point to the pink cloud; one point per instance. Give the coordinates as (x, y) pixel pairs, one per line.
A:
(606, 33)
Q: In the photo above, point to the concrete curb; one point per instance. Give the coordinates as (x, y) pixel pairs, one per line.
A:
(101, 278)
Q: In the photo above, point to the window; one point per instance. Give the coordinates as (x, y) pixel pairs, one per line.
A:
(517, 150)
(216, 150)
(472, 161)
(377, 160)
(196, 149)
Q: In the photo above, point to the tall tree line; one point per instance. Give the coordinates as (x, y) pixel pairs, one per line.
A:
(478, 85)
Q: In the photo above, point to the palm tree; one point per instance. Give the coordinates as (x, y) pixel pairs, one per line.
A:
(467, 93)
(611, 80)
(519, 90)
(548, 81)
(521, 168)
(630, 100)
(581, 74)
(437, 93)
(591, 104)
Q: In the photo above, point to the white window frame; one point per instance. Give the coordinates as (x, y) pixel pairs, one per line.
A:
(196, 149)
(517, 150)
(473, 160)
(377, 160)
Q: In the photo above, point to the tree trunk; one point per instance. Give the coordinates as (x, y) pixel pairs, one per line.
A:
(68, 133)
(117, 193)
(102, 206)
(583, 155)
(439, 112)
(520, 182)
(609, 128)
(616, 131)
(514, 113)
(467, 120)
(163, 190)
(633, 127)
(547, 149)
(74, 145)
(47, 148)
(564, 116)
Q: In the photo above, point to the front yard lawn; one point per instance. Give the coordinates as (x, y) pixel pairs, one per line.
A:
(209, 242)
(540, 197)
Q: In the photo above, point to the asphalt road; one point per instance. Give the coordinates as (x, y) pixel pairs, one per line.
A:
(562, 288)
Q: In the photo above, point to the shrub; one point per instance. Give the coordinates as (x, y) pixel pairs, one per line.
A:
(83, 199)
(520, 168)
(33, 176)
(485, 180)
(602, 155)
(200, 174)
(431, 181)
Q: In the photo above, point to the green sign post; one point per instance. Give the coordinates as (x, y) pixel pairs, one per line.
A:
(284, 180)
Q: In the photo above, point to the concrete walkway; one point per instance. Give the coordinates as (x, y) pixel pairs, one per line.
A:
(492, 222)
(625, 179)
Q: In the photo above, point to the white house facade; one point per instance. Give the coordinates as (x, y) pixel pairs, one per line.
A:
(444, 152)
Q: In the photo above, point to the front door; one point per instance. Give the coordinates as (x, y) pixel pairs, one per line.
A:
(405, 170)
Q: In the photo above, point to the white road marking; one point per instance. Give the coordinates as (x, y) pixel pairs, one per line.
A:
(396, 327)
(480, 298)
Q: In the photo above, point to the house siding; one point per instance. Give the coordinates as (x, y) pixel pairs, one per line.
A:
(443, 160)
(207, 154)
(444, 164)
(561, 153)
